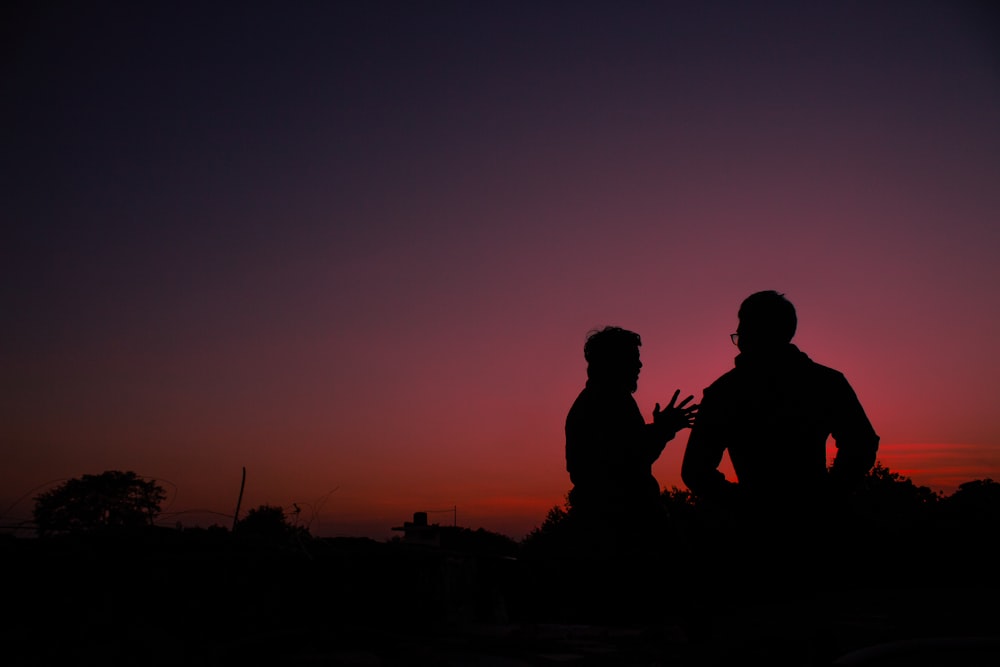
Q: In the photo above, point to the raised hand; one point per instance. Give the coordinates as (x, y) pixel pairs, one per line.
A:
(676, 417)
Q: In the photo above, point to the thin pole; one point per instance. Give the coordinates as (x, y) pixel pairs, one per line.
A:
(239, 500)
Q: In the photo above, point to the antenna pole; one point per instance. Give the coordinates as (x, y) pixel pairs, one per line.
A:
(239, 500)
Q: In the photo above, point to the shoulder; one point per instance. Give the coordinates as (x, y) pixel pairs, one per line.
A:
(825, 373)
(581, 401)
(726, 383)
(828, 382)
(593, 400)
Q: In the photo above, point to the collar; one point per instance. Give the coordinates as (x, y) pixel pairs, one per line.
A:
(784, 357)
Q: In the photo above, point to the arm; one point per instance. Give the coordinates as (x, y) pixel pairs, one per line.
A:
(854, 436)
(706, 445)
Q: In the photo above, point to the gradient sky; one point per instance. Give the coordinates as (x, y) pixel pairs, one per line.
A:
(357, 247)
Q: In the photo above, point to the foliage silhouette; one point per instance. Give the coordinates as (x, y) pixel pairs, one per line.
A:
(234, 592)
(548, 532)
(111, 500)
(893, 503)
(976, 502)
(478, 541)
(269, 524)
(680, 504)
(968, 522)
(888, 517)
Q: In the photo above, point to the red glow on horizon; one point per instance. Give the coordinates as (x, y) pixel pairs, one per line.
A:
(942, 467)
(370, 265)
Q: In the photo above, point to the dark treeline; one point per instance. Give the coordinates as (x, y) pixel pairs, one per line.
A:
(889, 532)
(109, 582)
(888, 515)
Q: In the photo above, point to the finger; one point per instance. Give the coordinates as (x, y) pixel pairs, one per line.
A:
(674, 398)
(685, 401)
(656, 409)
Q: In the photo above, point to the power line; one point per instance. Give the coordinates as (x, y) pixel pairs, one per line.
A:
(453, 510)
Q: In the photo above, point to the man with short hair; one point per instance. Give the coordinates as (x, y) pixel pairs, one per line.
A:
(773, 413)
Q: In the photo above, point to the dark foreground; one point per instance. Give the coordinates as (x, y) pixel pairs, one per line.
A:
(359, 602)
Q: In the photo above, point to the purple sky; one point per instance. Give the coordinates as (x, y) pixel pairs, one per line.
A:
(358, 246)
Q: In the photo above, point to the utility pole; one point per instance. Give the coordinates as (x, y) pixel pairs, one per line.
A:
(453, 510)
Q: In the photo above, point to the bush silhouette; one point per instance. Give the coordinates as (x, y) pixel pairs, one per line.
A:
(269, 524)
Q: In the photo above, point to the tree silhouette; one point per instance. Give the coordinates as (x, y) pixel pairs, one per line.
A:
(893, 502)
(685, 524)
(680, 504)
(112, 499)
(977, 503)
(968, 522)
(551, 535)
(555, 534)
(268, 523)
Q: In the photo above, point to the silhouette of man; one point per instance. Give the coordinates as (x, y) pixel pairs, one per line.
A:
(610, 449)
(773, 412)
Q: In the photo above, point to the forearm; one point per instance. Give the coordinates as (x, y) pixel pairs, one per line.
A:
(700, 470)
(703, 479)
(654, 439)
(855, 457)
(855, 438)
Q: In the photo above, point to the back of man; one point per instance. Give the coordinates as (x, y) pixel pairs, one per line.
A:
(610, 470)
(773, 413)
(774, 417)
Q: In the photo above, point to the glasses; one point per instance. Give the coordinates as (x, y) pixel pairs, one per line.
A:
(735, 337)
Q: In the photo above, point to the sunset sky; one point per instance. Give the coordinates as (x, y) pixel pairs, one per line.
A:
(356, 247)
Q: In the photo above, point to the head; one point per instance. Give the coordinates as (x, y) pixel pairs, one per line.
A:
(767, 322)
(612, 355)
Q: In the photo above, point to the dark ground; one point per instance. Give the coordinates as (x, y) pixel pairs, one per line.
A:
(359, 602)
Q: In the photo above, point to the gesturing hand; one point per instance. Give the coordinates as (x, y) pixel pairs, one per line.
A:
(676, 417)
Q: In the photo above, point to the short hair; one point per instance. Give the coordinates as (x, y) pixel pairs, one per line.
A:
(770, 315)
(608, 344)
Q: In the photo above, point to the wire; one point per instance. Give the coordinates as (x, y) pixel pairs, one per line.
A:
(50, 482)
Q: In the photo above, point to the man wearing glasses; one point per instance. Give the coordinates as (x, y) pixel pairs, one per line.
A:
(773, 413)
